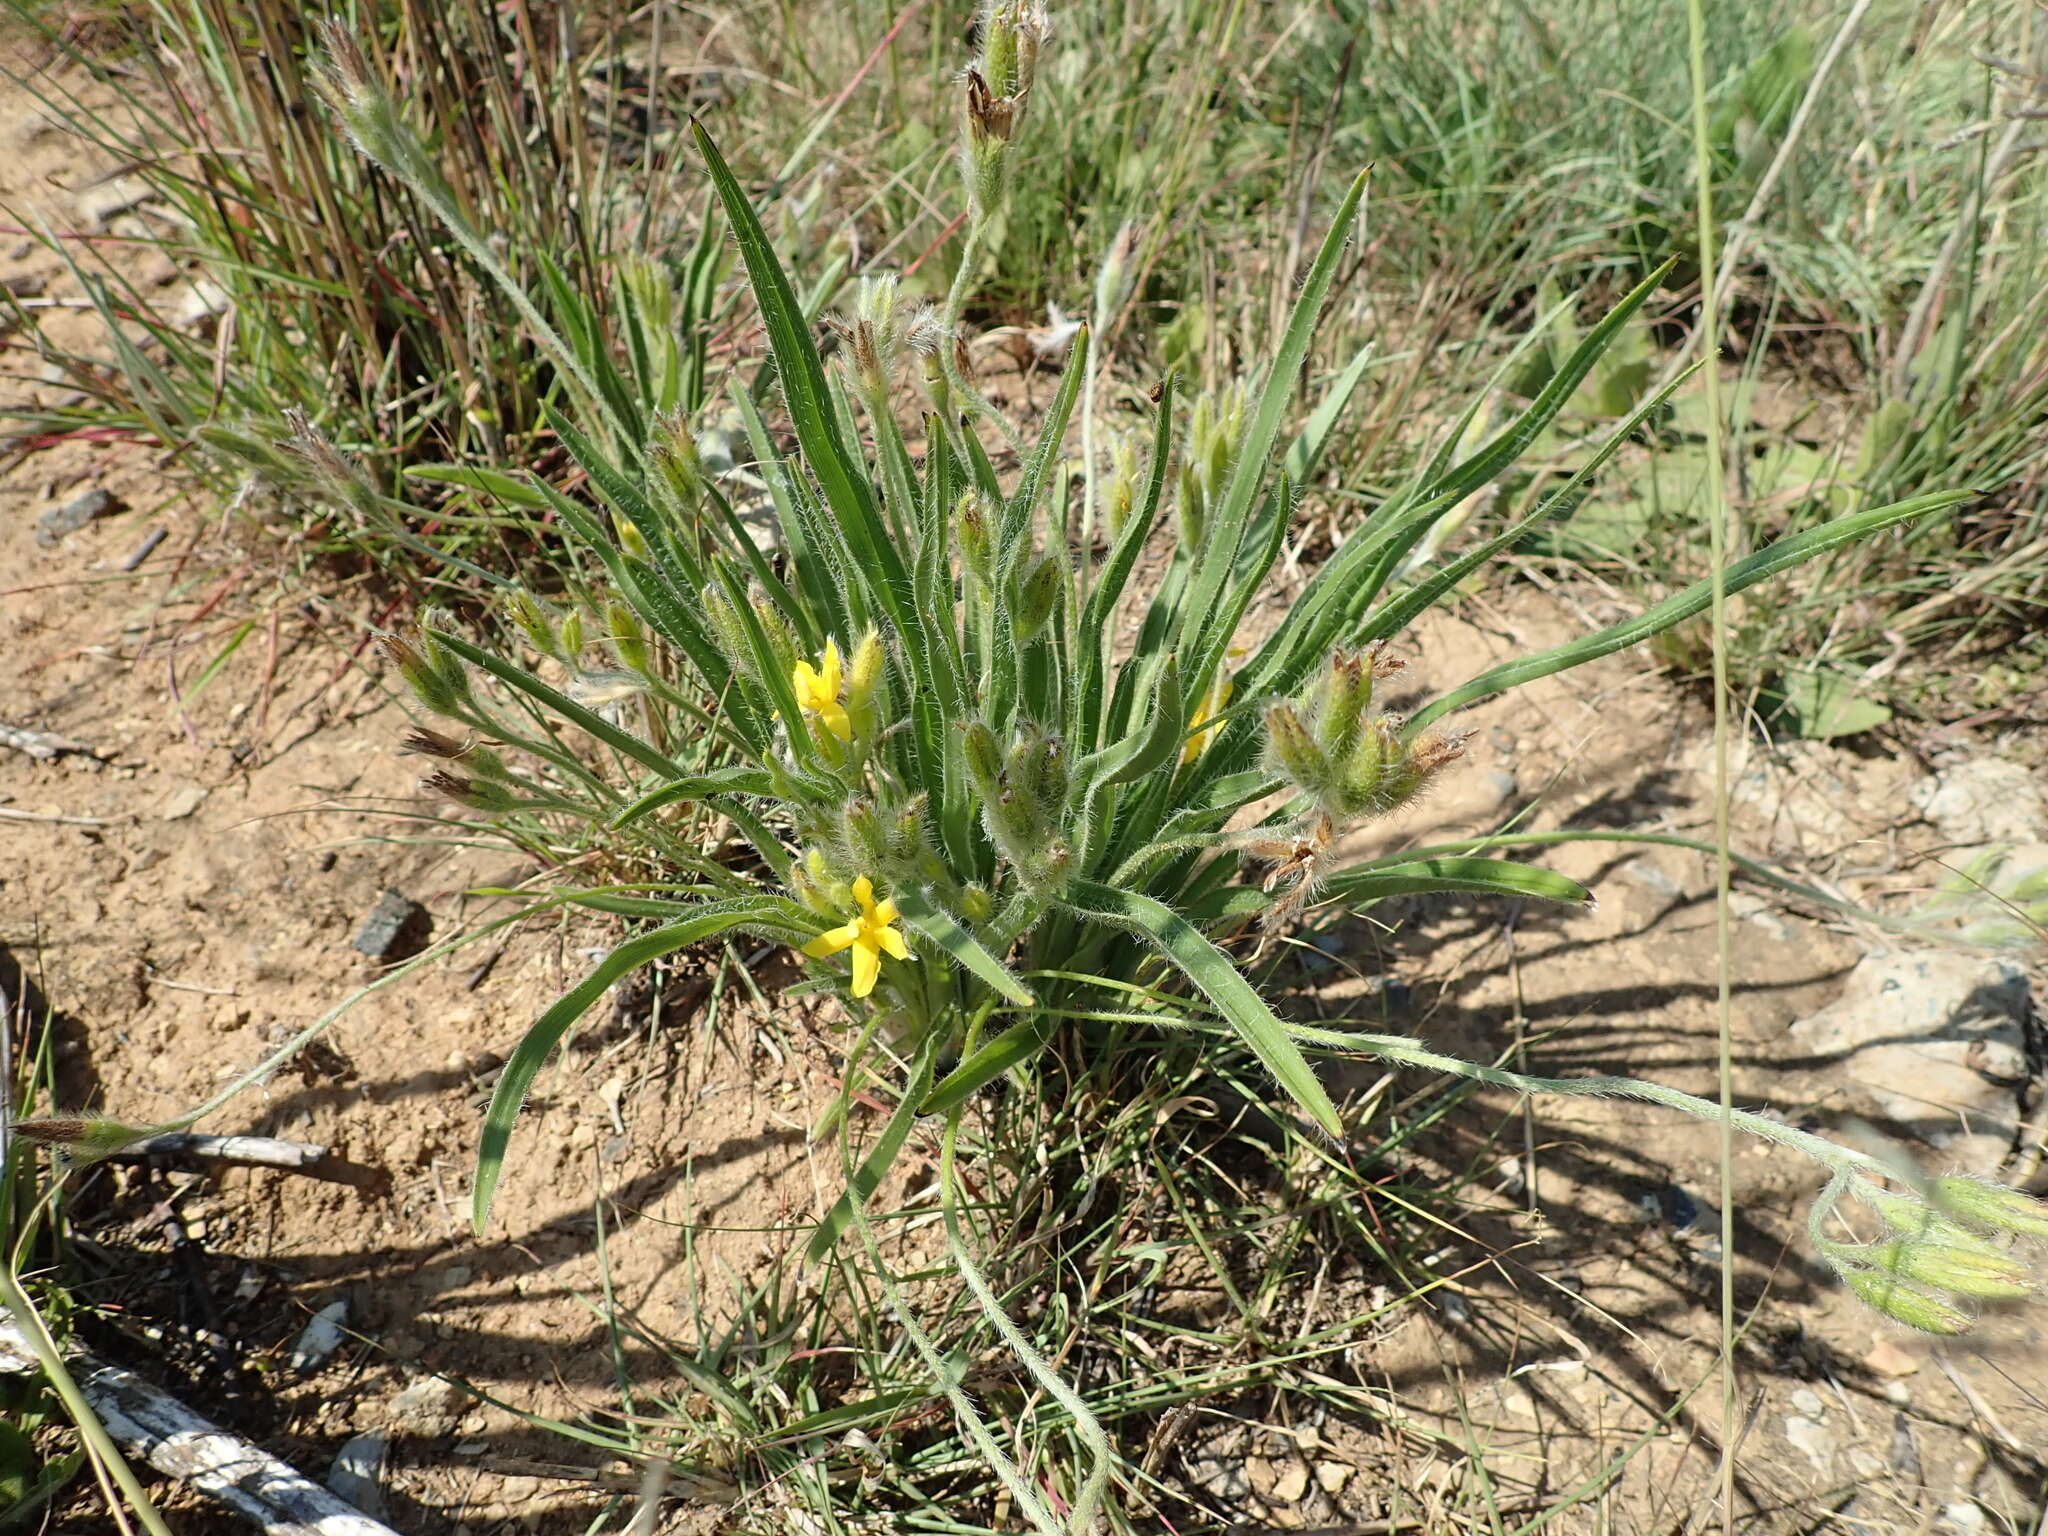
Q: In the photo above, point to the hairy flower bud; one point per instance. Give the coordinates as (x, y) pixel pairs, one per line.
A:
(723, 620)
(783, 644)
(1292, 754)
(1038, 595)
(972, 532)
(678, 463)
(984, 759)
(1905, 1303)
(83, 1139)
(476, 794)
(1991, 1207)
(1122, 498)
(864, 677)
(536, 620)
(860, 825)
(976, 904)
(572, 636)
(627, 637)
(416, 664)
(1977, 1270)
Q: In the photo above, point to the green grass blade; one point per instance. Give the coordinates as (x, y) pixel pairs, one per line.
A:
(1218, 979)
(1006, 1052)
(561, 704)
(726, 781)
(868, 1177)
(771, 914)
(1227, 523)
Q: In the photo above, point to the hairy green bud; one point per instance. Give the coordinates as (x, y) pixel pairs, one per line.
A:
(984, 759)
(1038, 595)
(1340, 712)
(723, 620)
(972, 533)
(1905, 1303)
(860, 826)
(83, 1139)
(677, 463)
(416, 663)
(1016, 825)
(976, 905)
(494, 799)
(572, 636)
(782, 640)
(627, 637)
(1292, 754)
(1991, 1207)
(1973, 1271)
(536, 620)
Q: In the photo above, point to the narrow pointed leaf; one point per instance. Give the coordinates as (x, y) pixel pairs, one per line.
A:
(934, 922)
(1217, 977)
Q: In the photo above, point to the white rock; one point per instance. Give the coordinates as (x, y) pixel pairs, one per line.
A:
(1331, 1476)
(1984, 800)
(1924, 1039)
(429, 1407)
(357, 1475)
(321, 1338)
(1814, 1441)
(1807, 1401)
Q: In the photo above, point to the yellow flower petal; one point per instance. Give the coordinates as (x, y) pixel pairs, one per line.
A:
(884, 913)
(832, 716)
(829, 667)
(828, 944)
(864, 893)
(867, 965)
(891, 939)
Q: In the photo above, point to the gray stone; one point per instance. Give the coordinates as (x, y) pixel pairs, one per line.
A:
(396, 928)
(430, 1407)
(55, 525)
(357, 1475)
(1932, 1041)
(1984, 800)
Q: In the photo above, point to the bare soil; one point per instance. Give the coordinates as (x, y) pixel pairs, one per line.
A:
(182, 898)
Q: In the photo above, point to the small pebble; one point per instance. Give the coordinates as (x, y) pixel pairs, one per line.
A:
(54, 525)
(321, 1338)
(396, 928)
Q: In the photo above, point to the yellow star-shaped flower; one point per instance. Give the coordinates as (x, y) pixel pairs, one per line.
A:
(869, 935)
(817, 692)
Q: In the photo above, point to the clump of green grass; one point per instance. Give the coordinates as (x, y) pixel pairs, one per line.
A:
(334, 293)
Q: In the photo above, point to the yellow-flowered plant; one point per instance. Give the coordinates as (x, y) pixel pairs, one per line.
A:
(1021, 814)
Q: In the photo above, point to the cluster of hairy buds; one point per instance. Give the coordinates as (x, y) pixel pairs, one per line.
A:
(1012, 34)
(1936, 1254)
(890, 843)
(1023, 795)
(1215, 431)
(1352, 763)
(436, 676)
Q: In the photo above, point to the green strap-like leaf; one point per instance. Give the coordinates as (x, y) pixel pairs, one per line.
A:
(934, 922)
(774, 914)
(1747, 572)
(1218, 979)
(1007, 1051)
(868, 1178)
(1481, 877)
(1142, 751)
